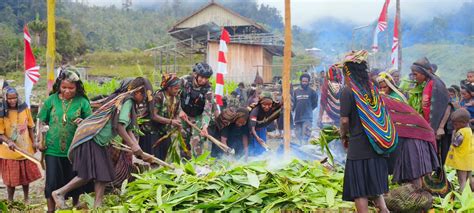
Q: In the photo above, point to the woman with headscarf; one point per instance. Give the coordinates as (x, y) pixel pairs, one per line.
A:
(368, 132)
(165, 114)
(454, 97)
(16, 129)
(66, 107)
(330, 95)
(387, 86)
(434, 100)
(88, 152)
(232, 130)
(262, 115)
(395, 76)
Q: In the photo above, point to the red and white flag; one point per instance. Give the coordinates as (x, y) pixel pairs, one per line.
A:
(31, 71)
(381, 26)
(221, 66)
(395, 44)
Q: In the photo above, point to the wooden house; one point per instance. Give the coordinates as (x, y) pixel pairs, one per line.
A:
(251, 49)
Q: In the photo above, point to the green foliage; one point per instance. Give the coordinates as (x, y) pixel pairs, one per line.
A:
(229, 86)
(326, 136)
(69, 42)
(207, 185)
(455, 201)
(93, 89)
(10, 50)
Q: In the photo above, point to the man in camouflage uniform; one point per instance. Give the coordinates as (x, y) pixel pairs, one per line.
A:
(233, 100)
(196, 106)
(165, 114)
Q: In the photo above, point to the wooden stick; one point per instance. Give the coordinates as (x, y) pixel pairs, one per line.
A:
(25, 154)
(126, 148)
(164, 137)
(286, 78)
(40, 137)
(222, 146)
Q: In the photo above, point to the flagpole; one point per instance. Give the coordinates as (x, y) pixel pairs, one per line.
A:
(286, 78)
(399, 29)
(51, 43)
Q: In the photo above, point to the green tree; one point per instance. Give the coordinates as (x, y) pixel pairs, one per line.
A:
(37, 27)
(10, 49)
(8, 17)
(70, 43)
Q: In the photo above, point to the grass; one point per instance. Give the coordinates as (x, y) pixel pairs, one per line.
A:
(453, 61)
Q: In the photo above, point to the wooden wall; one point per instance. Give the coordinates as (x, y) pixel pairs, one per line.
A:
(242, 62)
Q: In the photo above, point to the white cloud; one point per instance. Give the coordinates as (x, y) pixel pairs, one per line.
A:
(362, 11)
(359, 11)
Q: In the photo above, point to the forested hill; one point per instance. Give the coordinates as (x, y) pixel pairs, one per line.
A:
(112, 28)
(84, 29)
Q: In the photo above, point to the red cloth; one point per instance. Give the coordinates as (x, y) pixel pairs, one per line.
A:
(426, 101)
(408, 122)
(19, 172)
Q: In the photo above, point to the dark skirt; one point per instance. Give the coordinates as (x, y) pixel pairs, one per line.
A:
(444, 144)
(161, 150)
(92, 162)
(146, 142)
(365, 178)
(413, 159)
(58, 173)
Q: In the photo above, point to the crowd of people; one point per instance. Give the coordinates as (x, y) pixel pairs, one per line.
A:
(409, 128)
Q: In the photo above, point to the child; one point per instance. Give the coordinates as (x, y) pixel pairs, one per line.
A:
(16, 129)
(469, 79)
(467, 101)
(461, 154)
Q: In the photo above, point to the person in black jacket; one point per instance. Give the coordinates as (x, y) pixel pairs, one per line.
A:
(305, 100)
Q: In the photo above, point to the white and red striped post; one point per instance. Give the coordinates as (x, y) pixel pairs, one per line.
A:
(221, 66)
(394, 56)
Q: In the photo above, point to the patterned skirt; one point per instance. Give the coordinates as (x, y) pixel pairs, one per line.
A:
(19, 172)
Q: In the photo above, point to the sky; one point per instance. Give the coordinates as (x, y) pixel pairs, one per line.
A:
(362, 12)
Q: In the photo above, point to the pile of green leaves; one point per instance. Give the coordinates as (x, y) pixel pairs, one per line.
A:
(326, 135)
(16, 206)
(207, 185)
(455, 201)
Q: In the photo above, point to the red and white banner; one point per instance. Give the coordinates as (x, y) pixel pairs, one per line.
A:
(31, 71)
(381, 26)
(395, 44)
(221, 66)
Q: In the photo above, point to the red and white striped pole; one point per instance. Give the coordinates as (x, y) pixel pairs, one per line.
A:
(221, 66)
(395, 45)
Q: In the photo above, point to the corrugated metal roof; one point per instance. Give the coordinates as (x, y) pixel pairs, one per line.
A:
(246, 21)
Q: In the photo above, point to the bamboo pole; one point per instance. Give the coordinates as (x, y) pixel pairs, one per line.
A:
(399, 37)
(51, 43)
(286, 77)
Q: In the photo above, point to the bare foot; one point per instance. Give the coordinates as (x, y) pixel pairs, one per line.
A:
(59, 200)
(80, 206)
